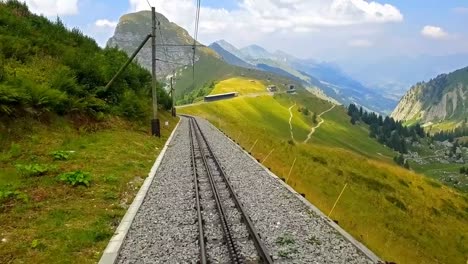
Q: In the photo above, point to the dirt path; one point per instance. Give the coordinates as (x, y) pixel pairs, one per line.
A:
(290, 120)
(312, 131)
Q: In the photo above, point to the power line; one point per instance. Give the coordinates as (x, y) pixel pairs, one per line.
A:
(195, 37)
(183, 45)
(172, 62)
(147, 1)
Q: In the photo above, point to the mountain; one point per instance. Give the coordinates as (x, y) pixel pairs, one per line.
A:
(394, 75)
(133, 28)
(338, 85)
(229, 57)
(326, 77)
(190, 80)
(230, 48)
(254, 52)
(442, 99)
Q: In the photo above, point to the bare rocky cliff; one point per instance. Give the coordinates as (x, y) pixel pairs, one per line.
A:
(444, 98)
(134, 27)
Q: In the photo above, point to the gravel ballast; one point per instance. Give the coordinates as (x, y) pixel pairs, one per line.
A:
(292, 232)
(165, 230)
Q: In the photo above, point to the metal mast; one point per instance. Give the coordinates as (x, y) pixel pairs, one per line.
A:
(155, 126)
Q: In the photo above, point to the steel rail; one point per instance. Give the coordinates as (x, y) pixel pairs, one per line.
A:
(233, 250)
(255, 236)
(201, 234)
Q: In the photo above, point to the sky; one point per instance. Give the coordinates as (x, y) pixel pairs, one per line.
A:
(327, 30)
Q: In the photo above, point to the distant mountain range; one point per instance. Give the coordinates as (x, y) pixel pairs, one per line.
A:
(323, 76)
(395, 75)
(222, 59)
(442, 99)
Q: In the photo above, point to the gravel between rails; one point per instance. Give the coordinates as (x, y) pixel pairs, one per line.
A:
(291, 231)
(164, 229)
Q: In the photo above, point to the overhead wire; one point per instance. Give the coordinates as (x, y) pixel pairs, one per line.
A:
(165, 51)
(195, 37)
(172, 62)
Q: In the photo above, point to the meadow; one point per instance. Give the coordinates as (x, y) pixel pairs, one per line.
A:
(402, 216)
(48, 220)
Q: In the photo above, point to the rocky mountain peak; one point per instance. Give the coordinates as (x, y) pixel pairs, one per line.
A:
(134, 27)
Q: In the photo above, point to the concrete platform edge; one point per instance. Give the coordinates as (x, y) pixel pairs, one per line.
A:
(115, 244)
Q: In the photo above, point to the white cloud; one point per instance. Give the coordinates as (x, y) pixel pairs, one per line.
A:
(53, 7)
(269, 16)
(360, 43)
(105, 23)
(434, 32)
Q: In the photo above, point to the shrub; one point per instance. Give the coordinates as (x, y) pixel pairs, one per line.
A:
(60, 155)
(76, 178)
(286, 239)
(32, 170)
(131, 106)
(9, 98)
(44, 99)
(15, 195)
(395, 201)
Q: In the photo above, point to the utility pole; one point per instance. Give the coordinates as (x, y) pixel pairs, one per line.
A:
(172, 98)
(155, 125)
(127, 63)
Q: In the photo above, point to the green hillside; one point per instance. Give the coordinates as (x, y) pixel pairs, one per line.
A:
(72, 154)
(441, 103)
(46, 68)
(210, 69)
(402, 216)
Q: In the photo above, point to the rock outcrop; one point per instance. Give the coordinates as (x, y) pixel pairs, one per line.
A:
(444, 98)
(134, 27)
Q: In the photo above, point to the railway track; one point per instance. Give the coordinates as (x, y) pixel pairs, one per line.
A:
(226, 234)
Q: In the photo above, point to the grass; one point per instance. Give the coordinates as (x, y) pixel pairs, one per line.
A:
(443, 126)
(60, 223)
(241, 85)
(402, 216)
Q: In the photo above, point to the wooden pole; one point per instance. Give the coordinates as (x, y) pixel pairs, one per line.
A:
(267, 156)
(289, 174)
(342, 191)
(253, 145)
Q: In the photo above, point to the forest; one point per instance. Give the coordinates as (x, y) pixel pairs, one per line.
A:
(459, 132)
(45, 69)
(386, 130)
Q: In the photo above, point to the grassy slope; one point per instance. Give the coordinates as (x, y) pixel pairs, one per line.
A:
(71, 224)
(241, 85)
(400, 215)
(209, 69)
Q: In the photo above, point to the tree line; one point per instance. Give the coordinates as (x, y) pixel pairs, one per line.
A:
(386, 130)
(47, 68)
(461, 131)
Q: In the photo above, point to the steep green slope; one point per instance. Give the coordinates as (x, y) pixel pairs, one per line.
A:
(210, 69)
(402, 216)
(441, 100)
(59, 127)
(46, 68)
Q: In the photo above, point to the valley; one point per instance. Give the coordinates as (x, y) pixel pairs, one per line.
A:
(307, 160)
(385, 205)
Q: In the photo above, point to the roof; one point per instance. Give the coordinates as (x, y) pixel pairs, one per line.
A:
(223, 94)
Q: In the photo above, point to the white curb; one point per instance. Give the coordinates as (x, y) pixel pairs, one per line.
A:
(115, 244)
